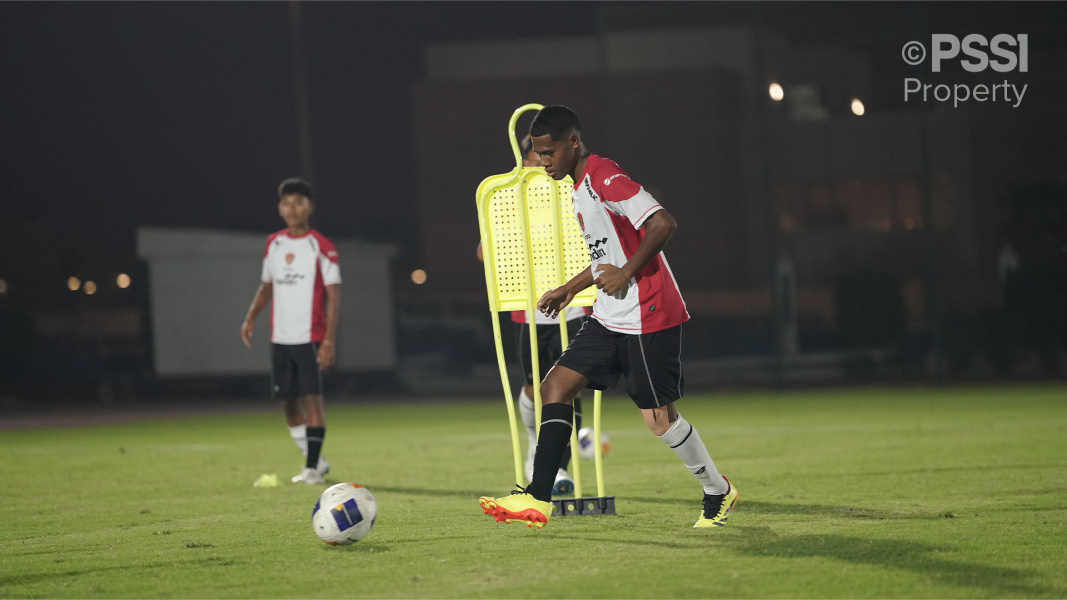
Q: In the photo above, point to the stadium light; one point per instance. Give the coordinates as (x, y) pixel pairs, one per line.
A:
(776, 92)
(90, 287)
(857, 107)
(123, 280)
(418, 276)
(73, 283)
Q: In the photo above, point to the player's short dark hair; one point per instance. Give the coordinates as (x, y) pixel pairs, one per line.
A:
(556, 121)
(526, 145)
(296, 185)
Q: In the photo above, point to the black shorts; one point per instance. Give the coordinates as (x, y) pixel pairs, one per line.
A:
(650, 362)
(295, 371)
(549, 347)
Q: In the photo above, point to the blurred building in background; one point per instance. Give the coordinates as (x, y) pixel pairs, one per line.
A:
(831, 229)
(824, 232)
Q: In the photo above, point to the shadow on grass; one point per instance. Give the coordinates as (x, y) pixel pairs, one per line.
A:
(358, 547)
(469, 494)
(779, 508)
(915, 557)
(584, 537)
(54, 577)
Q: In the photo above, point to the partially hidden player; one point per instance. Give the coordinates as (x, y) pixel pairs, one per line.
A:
(549, 348)
(634, 332)
(301, 280)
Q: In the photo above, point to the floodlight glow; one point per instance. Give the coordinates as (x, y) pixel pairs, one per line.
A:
(73, 283)
(418, 276)
(90, 287)
(123, 280)
(776, 92)
(857, 107)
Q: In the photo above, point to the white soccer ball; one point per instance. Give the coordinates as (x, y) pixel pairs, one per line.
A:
(586, 448)
(344, 514)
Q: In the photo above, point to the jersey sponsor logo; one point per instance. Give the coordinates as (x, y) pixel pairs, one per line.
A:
(595, 251)
(289, 258)
(289, 279)
(608, 180)
(589, 190)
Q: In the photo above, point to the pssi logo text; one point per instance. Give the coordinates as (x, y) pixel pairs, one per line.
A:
(1012, 49)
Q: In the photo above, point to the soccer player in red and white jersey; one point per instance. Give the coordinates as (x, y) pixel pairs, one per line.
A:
(301, 279)
(634, 332)
(549, 348)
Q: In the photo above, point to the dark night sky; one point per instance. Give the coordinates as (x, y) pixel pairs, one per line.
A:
(183, 114)
(116, 115)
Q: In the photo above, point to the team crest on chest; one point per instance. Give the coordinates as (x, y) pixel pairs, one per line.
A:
(581, 222)
(289, 258)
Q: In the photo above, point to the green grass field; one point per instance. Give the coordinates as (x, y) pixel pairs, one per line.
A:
(859, 493)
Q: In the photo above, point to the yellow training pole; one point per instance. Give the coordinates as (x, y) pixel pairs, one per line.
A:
(488, 251)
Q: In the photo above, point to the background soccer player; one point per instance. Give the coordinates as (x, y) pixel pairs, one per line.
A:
(635, 329)
(300, 270)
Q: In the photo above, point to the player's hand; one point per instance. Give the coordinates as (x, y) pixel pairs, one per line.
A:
(610, 279)
(554, 301)
(246, 331)
(326, 356)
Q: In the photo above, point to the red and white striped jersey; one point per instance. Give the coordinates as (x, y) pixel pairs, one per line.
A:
(299, 268)
(611, 208)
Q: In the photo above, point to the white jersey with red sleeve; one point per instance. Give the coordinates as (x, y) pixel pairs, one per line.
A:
(299, 268)
(611, 208)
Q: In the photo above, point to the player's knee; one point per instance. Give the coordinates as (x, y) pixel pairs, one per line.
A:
(552, 393)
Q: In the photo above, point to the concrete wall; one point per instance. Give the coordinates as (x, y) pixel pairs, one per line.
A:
(202, 282)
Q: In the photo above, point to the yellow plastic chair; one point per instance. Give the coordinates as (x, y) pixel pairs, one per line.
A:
(529, 235)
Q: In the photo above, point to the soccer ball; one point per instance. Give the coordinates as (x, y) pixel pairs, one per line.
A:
(586, 449)
(344, 514)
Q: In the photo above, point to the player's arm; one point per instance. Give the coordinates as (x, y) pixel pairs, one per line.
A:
(262, 298)
(659, 228)
(555, 300)
(328, 349)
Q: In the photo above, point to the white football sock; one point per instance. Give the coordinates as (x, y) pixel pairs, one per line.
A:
(299, 434)
(526, 411)
(685, 441)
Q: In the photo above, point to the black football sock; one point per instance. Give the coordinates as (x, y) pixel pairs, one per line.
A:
(563, 464)
(556, 425)
(315, 437)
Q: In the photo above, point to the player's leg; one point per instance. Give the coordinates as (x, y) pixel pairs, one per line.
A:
(550, 348)
(654, 380)
(309, 387)
(283, 388)
(316, 427)
(294, 418)
(533, 505)
(557, 422)
(591, 361)
(526, 405)
(574, 325)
